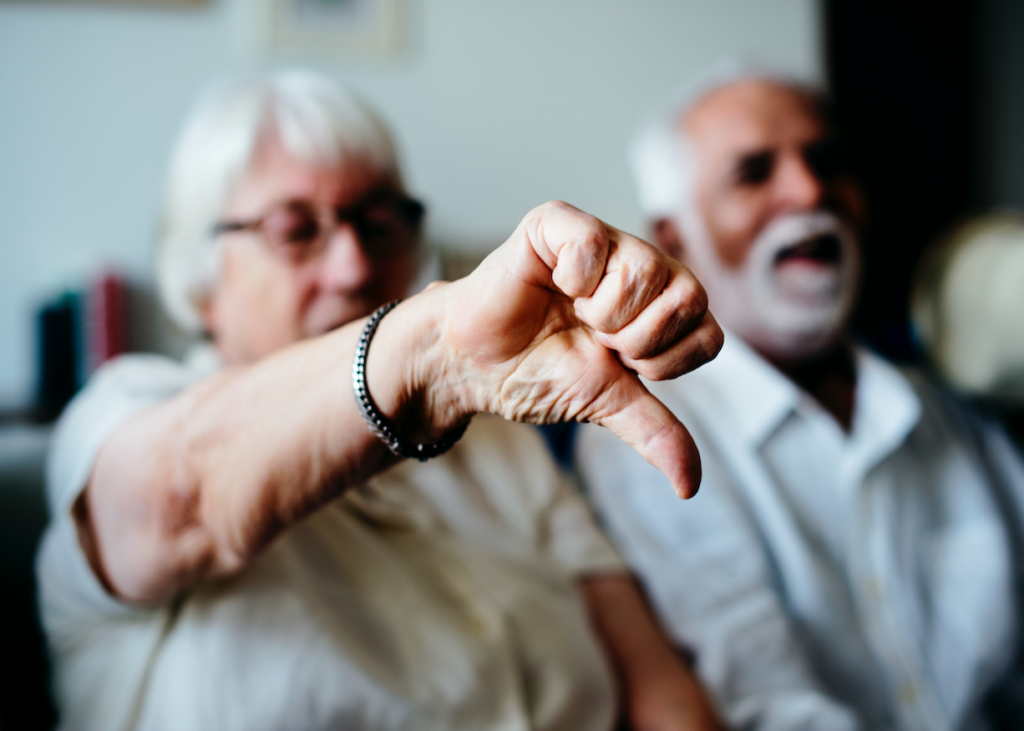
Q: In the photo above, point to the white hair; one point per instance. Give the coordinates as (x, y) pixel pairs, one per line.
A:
(316, 122)
(786, 314)
(660, 158)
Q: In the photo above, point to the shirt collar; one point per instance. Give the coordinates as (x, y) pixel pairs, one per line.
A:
(886, 409)
(752, 395)
(755, 398)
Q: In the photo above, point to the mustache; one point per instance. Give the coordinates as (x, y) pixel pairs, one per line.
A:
(818, 235)
(826, 248)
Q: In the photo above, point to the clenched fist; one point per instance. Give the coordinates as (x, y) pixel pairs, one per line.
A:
(558, 322)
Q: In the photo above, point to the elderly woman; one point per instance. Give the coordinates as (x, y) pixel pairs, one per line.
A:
(236, 544)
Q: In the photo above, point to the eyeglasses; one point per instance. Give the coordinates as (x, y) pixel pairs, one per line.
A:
(386, 223)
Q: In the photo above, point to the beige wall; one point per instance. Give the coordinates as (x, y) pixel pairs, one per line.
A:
(497, 106)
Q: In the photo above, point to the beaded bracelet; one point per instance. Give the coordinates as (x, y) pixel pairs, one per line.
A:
(378, 424)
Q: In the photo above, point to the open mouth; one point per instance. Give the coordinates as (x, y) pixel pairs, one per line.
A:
(823, 249)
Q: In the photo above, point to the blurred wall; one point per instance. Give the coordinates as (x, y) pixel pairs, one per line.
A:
(933, 100)
(496, 108)
(1000, 103)
(904, 86)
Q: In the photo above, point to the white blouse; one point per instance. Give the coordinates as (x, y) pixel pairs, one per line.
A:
(437, 596)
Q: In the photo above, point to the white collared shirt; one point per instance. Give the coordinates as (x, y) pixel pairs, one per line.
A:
(826, 579)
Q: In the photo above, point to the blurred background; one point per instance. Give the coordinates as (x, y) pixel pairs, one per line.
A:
(496, 108)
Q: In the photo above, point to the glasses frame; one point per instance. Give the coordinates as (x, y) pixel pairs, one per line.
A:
(410, 212)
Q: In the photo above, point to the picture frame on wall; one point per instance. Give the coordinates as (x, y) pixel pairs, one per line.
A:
(341, 28)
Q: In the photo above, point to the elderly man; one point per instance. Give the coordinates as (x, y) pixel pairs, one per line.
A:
(230, 549)
(851, 560)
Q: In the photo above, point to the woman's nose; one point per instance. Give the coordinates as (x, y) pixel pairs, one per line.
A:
(345, 264)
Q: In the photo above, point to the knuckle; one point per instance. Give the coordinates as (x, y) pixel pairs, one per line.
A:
(606, 323)
(594, 237)
(599, 318)
(700, 297)
(648, 272)
(707, 346)
(714, 342)
(549, 208)
(694, 295)
(659, 372)
(690, 301)
(657, 369)
(632, 348)
(640, 283)
(557, 206)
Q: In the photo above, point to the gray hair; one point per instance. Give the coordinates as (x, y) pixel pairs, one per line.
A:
(660, 158)
(316, 121)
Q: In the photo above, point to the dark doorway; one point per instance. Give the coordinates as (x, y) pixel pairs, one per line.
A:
(903, 79)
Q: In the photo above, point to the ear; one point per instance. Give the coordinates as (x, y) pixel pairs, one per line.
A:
(667, 238)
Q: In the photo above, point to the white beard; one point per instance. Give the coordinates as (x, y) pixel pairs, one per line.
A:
(790, 311)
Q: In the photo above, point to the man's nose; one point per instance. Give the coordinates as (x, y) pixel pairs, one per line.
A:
(345, 263)
(797, 185)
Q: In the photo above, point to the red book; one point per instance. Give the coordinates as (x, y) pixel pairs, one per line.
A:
(105, 320)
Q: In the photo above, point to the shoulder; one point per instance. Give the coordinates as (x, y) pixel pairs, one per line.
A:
(121, 384)
(945, 414)
(956, 443)
(138, 374)
(956, 418)
(116, 392)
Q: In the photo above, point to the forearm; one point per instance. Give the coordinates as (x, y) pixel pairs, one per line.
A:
(197, 486)
(554, 325)
(637, 645)
(660, 692)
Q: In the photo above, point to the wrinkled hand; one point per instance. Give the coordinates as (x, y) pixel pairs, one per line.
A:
(556, 324)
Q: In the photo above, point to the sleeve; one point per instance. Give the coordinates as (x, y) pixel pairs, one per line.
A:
(71, 597)
(535, 498)
(1005, 461)
(704, 568)
(574, 540)
(1005, 702)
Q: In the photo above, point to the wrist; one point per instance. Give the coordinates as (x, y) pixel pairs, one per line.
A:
(412, 369)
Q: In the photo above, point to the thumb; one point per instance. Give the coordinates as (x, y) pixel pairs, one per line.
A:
(646, 425)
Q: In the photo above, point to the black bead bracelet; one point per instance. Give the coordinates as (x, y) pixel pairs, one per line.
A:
(378, 424)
